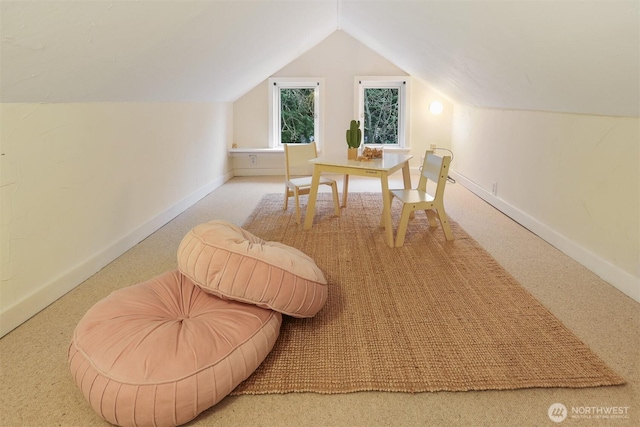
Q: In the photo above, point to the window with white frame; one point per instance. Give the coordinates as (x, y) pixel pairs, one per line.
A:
(383, 110)
(295, 111)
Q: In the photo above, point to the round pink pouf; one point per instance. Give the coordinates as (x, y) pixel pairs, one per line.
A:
(229, 262)
(160, 352)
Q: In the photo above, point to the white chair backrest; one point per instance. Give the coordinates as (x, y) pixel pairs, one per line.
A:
(436, 169)
(298, 156)
(431, 167)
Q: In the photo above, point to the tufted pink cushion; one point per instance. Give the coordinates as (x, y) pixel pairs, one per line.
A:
(162, 351)
(230, 262)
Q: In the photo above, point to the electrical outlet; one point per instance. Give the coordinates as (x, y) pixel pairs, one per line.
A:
(432, 147)
(253, 159)
(494, 188)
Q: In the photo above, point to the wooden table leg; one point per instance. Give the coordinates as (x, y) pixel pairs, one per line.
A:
(345, 190)
(386, 209)
(311, 202)
(406, 177)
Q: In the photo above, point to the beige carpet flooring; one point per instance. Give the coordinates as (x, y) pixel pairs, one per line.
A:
(36, 388)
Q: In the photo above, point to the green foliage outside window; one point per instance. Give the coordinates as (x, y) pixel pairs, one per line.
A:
(381, 116)
(297, 115)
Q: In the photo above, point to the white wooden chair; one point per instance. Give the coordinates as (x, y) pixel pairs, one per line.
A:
(434, 168)
(298, 156)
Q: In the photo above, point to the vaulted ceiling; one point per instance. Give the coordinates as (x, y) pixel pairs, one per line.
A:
(565, 56)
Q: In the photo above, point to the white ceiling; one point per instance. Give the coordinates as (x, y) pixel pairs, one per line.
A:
(563, 55)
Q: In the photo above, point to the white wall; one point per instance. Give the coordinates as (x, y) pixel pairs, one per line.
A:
(338, 59)
(82, 183)
(573, 179)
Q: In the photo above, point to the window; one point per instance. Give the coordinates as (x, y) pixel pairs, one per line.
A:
(383, 110)
(294, 110)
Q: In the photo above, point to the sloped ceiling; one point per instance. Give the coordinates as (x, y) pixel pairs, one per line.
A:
(566, 56)
(563, 55)
(151, 51)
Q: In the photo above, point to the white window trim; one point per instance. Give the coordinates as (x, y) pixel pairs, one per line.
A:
(275, 83)
(402, 83)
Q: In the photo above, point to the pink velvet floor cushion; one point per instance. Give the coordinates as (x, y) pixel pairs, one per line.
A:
(228, 261)
(162, 351)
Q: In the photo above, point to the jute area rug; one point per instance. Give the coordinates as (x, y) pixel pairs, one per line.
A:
(430, 316)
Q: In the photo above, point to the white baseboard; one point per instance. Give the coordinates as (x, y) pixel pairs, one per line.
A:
(23, 310)
(618, 278)
(259, 171)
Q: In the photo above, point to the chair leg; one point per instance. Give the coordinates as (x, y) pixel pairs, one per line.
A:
(336, 201)
(431, 216)
(444, 222)
(286, 197)
(297, 197)
(402, 226)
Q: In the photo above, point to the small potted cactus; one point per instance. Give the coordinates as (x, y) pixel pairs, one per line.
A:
(354, 137)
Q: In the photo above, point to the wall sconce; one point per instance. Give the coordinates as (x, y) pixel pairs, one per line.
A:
(436, 107)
